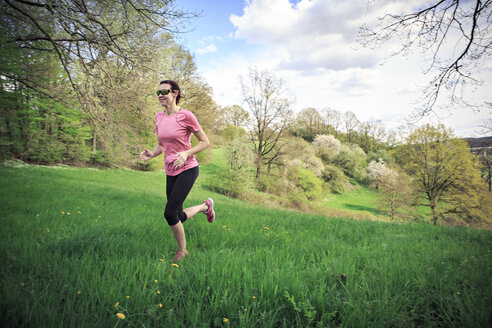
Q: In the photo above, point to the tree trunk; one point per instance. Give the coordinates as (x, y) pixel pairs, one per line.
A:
(434, 214)
(258, 166)
(94, 139)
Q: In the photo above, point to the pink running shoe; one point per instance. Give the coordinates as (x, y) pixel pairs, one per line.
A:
(180, 255)
(210, 211)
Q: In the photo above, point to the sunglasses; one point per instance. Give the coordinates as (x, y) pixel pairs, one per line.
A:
(163, 92)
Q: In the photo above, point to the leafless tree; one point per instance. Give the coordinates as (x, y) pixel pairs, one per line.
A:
(463, 25)
(264, 95)
(333, 118)
(310, 119)
(486, 126)
(351, 122)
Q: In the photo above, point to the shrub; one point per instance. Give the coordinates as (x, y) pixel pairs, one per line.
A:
(238, 173)
(100, 158)
(377, 172)
(315, 165)
(302, 154)
(306, 181)
(379, 155)
(351, 159)
(296, 199)
(328, 142)
(335, 178)
(273, 184)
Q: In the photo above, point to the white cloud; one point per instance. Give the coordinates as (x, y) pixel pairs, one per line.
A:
(312, 46)
(207, 49)
(314, 33)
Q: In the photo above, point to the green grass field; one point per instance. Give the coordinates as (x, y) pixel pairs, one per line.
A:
(253, 267)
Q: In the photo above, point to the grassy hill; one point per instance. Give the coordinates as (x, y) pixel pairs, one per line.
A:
(80, 245)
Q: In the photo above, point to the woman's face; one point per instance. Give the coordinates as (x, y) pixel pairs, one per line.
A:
(168, 99)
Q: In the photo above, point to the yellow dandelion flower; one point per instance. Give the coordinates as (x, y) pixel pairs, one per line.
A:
(245, 310)
(224, 226)
(120, 315)
(98, 216)
(266, 228)
(286, 232)
(159, 292)
(160, 305)
(458, 292)
(161, 260)
(62, 212)
(68, 213)
(155, 281)
(175, 265)
(79, 212)
(116, 305)
(128, 297)
(254, 297)
(228, 229)
(225, 320)
(268, 235)
(78, 292)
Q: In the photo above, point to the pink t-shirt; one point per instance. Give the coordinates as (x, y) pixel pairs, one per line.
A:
(174, 135)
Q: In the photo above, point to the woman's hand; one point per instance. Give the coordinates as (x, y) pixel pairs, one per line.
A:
(146, 155)
(180, 159)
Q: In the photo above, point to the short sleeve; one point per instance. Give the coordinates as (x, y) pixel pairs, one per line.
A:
(189, 121)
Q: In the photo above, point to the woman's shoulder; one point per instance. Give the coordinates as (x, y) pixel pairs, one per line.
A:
(186, 113)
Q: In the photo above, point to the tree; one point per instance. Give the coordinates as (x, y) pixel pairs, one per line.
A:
(377, 171)
(485, 158)
(264, 95)
(463, 26)
(443, 170)
(81, 33)
(396, 193)
(309, 123)
(236, 115)
(233, 179)
(350, 123)
(33, 126)
(333, 118)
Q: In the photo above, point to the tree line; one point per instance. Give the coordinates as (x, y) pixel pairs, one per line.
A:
(78, 78)
(299, 158)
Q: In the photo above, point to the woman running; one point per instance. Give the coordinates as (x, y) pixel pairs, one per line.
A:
(174, 127)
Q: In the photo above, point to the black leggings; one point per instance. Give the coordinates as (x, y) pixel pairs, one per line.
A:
(177, 189)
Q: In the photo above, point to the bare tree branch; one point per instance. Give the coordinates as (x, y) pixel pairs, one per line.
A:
(464, 24)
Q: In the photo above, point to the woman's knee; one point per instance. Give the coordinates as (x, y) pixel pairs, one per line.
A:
(171, 217)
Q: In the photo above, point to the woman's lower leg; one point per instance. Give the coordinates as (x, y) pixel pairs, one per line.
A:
(192, 211)
(179, 235)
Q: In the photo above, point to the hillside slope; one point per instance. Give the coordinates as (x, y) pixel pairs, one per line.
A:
(79, 246)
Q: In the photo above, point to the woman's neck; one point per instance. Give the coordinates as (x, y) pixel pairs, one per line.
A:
(173, 109)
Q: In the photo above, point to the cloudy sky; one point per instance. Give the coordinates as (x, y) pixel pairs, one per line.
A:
(312, 45)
